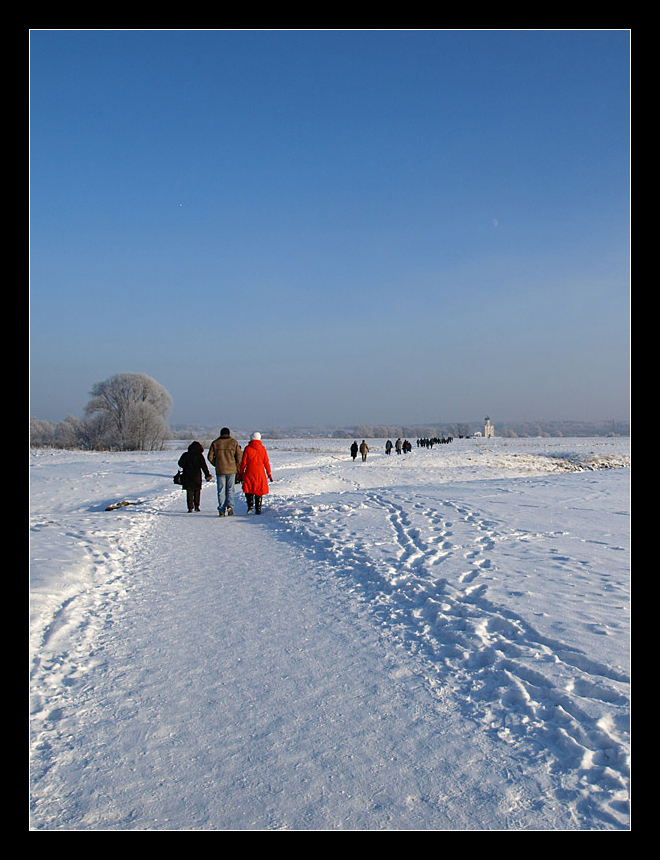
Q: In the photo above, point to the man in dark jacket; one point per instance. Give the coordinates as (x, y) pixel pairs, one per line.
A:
(225, 455)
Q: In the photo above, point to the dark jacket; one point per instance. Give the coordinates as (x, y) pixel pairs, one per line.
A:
(192, 464)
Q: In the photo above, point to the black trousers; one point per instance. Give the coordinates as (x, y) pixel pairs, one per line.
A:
(193, 496)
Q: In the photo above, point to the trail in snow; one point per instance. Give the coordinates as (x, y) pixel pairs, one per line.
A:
(236, 690)
(368, 655)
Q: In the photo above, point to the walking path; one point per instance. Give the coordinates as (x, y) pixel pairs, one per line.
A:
(237, 688)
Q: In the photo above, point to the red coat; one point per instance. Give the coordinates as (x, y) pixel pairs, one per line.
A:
(254, 468)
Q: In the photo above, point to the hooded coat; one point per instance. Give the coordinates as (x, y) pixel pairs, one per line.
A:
(192, 464)
(254, 468)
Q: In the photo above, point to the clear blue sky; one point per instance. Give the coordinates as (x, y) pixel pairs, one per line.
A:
(332, 226)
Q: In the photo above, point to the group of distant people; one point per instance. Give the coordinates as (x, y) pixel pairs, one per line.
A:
(400, 446)
(363, 448)
(435, 440)
(249, 467)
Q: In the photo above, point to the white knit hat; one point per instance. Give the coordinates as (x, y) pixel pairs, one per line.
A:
(255, 435)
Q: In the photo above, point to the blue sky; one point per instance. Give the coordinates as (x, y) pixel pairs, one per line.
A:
(332, 226)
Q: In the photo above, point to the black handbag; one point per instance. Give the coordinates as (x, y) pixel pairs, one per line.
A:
(178, 478)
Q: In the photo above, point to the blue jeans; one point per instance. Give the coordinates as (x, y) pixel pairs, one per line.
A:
(225, 491)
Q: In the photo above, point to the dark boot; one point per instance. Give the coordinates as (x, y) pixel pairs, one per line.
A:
(249, 498)
(257, 504)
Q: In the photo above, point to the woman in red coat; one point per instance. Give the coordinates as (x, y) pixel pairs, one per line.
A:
(255, 466)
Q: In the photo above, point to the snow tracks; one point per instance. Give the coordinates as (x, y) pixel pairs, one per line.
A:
(482, 604)
(236, 688)
(363, 661)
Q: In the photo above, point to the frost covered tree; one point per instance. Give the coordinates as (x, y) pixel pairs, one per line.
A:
(70, 433)
(131, 412)
(42, 433)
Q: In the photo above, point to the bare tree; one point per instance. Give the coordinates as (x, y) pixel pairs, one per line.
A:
(42, 433)
(70, 433)
(131, 409)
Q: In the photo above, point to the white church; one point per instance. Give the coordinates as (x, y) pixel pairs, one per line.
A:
(489, 429)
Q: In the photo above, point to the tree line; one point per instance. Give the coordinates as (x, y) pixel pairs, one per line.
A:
(127, 412)
(385, 431)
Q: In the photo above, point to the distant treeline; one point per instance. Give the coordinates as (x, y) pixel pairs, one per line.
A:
(507, 430)
(563, 428)
(458, 430)
(74, 433)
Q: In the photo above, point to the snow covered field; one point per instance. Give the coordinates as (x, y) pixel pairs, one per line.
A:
(438, 640)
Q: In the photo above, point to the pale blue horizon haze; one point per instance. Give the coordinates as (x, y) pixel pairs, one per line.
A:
(313, 227)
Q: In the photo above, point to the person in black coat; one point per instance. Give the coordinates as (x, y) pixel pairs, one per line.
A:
(192, 463)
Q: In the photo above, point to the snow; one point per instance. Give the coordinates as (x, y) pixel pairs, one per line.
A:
(431, 641)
